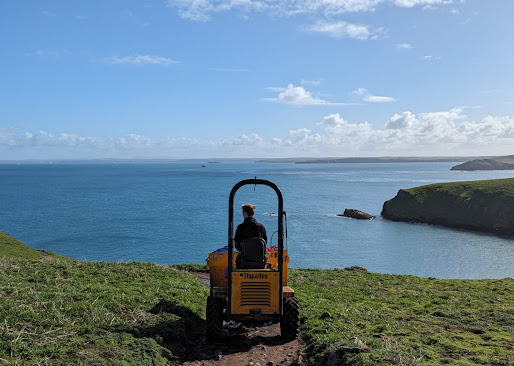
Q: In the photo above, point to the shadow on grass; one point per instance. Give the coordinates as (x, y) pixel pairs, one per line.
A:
(181, 333)
(174, 327)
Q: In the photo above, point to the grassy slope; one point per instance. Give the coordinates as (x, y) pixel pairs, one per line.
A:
(57, 310)
(406, 320)
(62, 311)
(12, 248)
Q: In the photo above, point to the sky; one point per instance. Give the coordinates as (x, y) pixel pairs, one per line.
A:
(178, 79)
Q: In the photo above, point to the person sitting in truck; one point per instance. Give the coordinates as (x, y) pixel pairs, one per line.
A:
(249, 228)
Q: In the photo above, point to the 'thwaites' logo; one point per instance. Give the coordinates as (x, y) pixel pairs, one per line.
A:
(255, 276)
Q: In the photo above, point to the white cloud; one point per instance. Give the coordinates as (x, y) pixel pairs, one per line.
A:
(425, 3)
(48, 13)
(341, 29)
(370, 98)
(202, 10)
(378, 99)
(431, 58)
(404, 134)
(311, 82)
(398, 121)
(140, 60)
(404, 46)
(244, 140)
(297, 95)
(333, 120)
(360, 91)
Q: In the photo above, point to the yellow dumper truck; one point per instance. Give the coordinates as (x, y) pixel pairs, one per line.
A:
(256, 291)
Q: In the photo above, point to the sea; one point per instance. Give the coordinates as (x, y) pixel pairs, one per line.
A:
(177, 212)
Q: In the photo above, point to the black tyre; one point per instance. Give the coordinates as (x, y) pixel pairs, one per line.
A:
(290, 321)
(214, 319)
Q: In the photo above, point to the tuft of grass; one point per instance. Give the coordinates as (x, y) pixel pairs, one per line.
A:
(60, 311)
(192, 267)
(361, 318)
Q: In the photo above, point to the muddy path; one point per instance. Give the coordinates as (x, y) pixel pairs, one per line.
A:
(257, 344)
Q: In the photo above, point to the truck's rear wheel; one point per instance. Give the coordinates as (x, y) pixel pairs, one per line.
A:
(290, 321)
(214, 319)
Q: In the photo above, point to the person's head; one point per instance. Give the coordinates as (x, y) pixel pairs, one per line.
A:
(248, 209)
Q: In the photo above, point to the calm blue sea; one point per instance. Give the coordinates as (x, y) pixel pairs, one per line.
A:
(172, 213)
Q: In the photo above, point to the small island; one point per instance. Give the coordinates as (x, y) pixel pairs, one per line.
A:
(496, 163)
(486, 205)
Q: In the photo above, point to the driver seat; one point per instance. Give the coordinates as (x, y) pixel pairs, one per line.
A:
(253, 253)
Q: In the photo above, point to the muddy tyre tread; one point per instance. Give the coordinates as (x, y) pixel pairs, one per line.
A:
(290, 321)
(214, 320)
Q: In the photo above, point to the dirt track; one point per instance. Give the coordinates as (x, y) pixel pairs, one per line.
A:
(255, 345)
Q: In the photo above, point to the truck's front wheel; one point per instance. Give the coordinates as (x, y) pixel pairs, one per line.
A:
(214, 319)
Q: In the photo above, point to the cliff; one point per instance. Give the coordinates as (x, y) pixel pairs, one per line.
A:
(486, 205)
(497, 163)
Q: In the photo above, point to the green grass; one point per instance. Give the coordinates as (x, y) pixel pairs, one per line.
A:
(491, 187)
(12, 248)
(405, 320)
(60, 311)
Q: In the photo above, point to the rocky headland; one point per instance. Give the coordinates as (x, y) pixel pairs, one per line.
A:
(496, 163)
(486, 205)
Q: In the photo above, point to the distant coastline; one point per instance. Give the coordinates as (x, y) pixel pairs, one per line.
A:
(378, 159)
(464, 162)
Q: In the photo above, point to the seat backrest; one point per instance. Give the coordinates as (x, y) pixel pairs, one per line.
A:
(253, 253)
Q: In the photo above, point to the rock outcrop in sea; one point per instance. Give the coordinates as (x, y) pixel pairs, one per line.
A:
(481, 205)
(356, 214)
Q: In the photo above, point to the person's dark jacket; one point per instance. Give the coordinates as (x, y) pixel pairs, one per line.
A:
(249, 228)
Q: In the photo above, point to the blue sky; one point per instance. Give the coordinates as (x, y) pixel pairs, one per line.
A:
(256, 78)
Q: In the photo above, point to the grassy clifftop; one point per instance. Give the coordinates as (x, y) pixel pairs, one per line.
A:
(60, 311)
(486, 205)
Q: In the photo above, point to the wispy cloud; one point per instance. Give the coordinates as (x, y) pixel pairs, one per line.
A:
(311, 82)
(48, 13)
(49, 53)
(341, 29)
(378, 99)
(425, 3)
(370, 98)
(404, 46)
(140, 60)
(297, 95)
(431, 58)
(203, 10)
